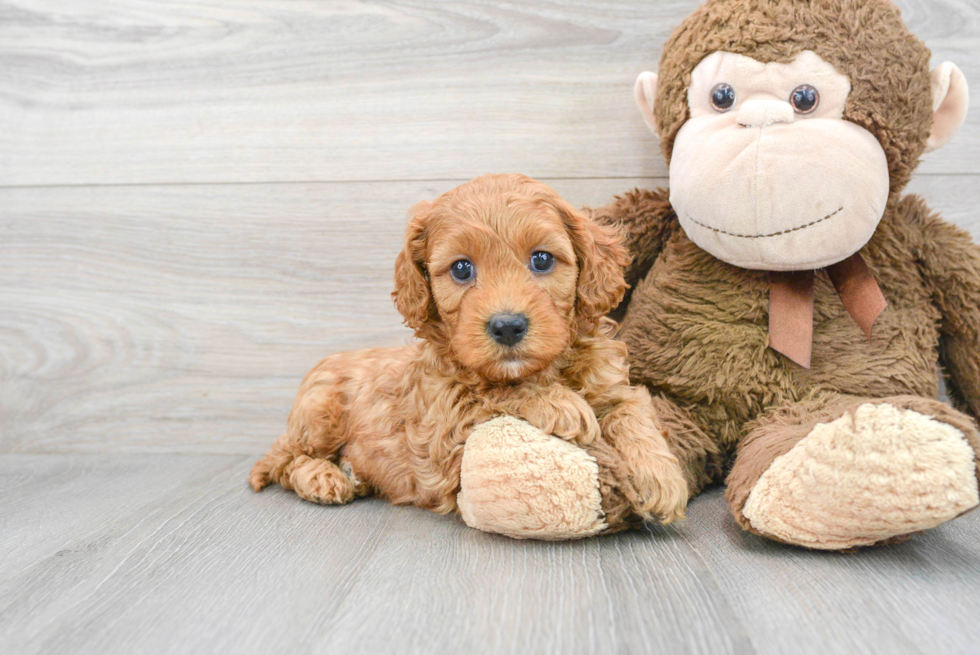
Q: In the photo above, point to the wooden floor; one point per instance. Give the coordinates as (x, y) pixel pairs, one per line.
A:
(198, 200)
(171, 553)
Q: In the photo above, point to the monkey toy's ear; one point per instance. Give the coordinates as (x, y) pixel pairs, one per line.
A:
(950, 99)
(645, 92)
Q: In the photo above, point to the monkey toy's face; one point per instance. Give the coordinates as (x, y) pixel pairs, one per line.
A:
(766, 174)
(790, 125)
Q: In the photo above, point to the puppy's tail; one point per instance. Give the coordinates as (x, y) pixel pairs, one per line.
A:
(270, 468)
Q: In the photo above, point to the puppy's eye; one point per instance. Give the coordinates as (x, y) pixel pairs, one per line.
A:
(542, 262)
(462, 270)
(722, 97)
(804, 99)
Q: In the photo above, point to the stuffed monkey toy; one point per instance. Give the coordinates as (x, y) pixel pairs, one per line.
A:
(789, 306)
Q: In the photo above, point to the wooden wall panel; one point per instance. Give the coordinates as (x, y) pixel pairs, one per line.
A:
(182, 318)
(197, 201)
(138, 91)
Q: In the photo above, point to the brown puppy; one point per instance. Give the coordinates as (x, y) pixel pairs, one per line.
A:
(506, 286)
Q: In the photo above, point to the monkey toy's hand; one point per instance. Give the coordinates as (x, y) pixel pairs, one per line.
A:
(520, 481)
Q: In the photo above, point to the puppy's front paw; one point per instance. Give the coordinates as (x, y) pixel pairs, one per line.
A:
(653, 485)
(661, 491)
(564, 414)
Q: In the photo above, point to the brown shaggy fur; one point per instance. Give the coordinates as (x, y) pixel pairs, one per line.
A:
(697, 328)
(394, 421)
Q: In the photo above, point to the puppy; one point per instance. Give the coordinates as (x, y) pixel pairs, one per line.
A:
(506, 286)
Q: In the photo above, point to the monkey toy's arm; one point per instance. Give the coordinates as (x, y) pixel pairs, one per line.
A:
(645, 220)
(950, 261)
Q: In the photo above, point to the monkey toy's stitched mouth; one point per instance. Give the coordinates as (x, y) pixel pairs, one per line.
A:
(772, 234)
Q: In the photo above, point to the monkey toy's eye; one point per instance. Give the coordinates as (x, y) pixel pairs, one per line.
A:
(804, 99)
(462, 270)
(722, 97)
(542, 262)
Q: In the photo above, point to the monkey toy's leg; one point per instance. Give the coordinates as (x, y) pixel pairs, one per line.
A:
(518, 481)
(836, 472)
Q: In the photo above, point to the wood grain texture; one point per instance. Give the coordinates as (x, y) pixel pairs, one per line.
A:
(136, 91)
(182, 318)
(918, 597)
(195, 563)
(173, 554)
(199, 200)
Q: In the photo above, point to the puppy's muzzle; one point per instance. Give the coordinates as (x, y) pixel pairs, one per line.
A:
(507, 329)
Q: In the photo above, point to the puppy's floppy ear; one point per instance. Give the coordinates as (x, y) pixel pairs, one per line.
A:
(601, 259)
(412, 295)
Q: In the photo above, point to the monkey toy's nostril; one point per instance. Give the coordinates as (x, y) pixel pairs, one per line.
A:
(507, 329)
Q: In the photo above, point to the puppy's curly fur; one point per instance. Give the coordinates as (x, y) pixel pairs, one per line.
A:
(393, 421)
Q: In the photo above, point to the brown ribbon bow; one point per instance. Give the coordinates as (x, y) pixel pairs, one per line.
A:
(791, 305)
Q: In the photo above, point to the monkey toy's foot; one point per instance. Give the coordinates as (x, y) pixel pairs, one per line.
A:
(523, 483)
(877, 472)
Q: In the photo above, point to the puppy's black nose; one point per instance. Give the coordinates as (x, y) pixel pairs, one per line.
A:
(507, 329)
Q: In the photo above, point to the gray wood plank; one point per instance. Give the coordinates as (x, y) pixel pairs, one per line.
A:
(181, 318)
(641, 592)
(207, 566)
(135, 91)
(174, 554)
(917, 597)
(52, 506)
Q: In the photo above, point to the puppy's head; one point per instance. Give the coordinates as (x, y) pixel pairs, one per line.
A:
(504, 274)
